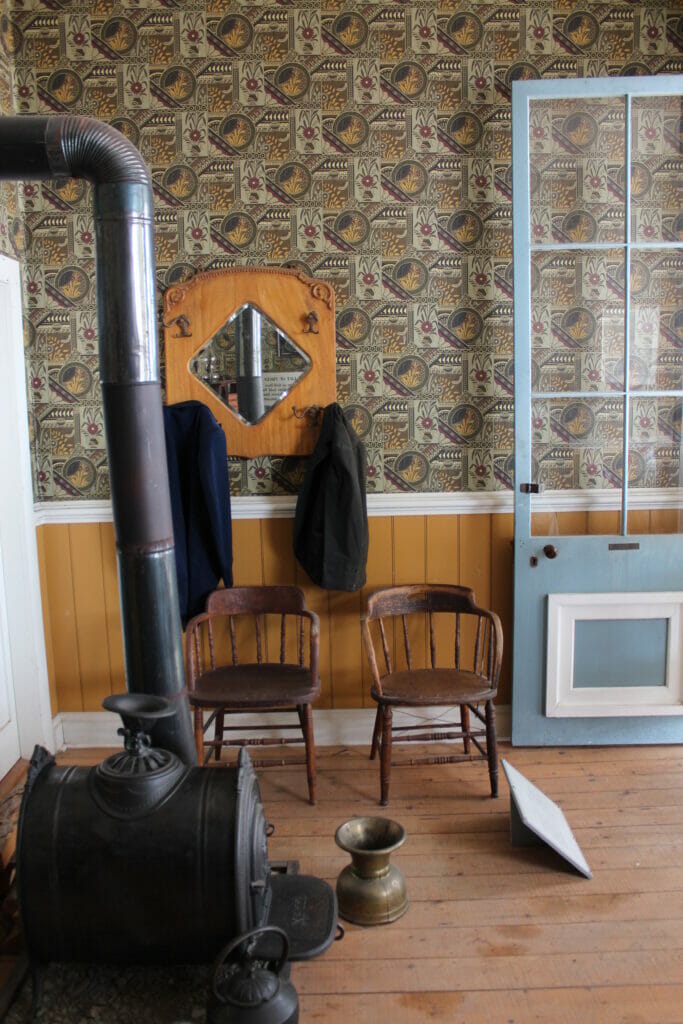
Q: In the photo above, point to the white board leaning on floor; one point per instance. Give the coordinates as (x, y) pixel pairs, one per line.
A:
(534, 816)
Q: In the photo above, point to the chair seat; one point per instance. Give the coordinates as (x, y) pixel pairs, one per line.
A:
(251, 686)
(433, 686)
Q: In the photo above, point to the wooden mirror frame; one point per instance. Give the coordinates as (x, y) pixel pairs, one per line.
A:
(304, 310)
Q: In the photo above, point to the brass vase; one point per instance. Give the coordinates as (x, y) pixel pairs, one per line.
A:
(370, 890)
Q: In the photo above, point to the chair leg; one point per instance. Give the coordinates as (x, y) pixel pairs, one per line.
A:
(199, 734)
(465, 725)
(218, 734)
(376, 734)
(306, 719)
(491, 746)
(385, 754)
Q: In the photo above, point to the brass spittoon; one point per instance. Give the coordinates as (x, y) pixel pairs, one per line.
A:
(370, 890)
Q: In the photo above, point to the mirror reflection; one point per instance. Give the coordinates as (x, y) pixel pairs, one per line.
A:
(250, 364)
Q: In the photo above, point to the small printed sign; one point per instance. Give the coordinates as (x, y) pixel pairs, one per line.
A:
(534, 816)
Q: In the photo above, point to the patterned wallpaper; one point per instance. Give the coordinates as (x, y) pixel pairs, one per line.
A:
(368, 144)
(8, 190)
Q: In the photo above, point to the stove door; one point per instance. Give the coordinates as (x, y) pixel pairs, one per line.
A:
(252, 871)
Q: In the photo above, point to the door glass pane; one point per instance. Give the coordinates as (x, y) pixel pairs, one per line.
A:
(577, 443)
(655, 436)
(577, 149)
(655, 462)
(656, 169)
(577, 320)
(656, 315)
(577, 192)
(620, 652)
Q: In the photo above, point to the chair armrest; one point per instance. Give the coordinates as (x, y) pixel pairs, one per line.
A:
(306, 613)
(191, 634)
(496, 624)
(370, 652)
(313, 641)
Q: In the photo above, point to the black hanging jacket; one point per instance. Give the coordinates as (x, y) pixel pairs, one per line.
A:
(331, 520)
(200, 503)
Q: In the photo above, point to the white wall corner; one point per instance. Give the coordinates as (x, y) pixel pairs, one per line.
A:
(58, 731)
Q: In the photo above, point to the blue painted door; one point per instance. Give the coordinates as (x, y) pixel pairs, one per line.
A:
(598, 271)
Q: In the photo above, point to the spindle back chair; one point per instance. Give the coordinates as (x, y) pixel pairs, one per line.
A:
(405, 629)
(254, 650)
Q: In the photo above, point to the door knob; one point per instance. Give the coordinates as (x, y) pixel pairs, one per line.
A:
(550, 551)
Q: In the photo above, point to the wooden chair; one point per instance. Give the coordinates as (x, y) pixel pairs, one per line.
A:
(438, 618)
(252, 619)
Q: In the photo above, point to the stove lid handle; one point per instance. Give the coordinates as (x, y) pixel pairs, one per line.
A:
(248, 938)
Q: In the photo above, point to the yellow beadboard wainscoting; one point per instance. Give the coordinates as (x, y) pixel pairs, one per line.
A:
(81, 603)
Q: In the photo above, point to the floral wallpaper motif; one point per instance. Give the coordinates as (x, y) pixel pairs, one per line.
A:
(368, 144)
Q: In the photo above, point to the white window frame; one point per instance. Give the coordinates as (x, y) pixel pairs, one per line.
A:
(563, 700)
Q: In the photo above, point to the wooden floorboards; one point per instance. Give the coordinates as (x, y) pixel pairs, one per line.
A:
(496, 934)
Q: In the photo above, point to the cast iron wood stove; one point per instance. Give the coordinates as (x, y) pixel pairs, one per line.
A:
(145, 858)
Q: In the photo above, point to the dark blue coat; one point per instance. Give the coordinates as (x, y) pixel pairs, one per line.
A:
(200, 503)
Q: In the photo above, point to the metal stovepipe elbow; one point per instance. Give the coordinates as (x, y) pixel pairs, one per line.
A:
(82, 147)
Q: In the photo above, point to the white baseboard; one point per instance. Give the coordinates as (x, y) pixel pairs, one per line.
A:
(346, 727)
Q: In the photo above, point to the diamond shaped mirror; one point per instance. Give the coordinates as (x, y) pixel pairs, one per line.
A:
(250, 363)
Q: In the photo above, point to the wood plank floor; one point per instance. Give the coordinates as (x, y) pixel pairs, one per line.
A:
(496, 934)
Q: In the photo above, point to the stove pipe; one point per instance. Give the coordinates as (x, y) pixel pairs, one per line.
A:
(82, 147)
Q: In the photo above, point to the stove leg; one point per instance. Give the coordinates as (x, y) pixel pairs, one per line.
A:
(38, 983)
(12, 985)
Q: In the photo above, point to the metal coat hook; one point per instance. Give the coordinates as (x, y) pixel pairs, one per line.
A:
(312, 413)
(183, 323)
(312, 320)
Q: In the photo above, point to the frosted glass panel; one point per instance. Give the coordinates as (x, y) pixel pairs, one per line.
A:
(620, 652)
(577, 443)
(577, 320)
(656, 320)
(656, 169)
(577, 149)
